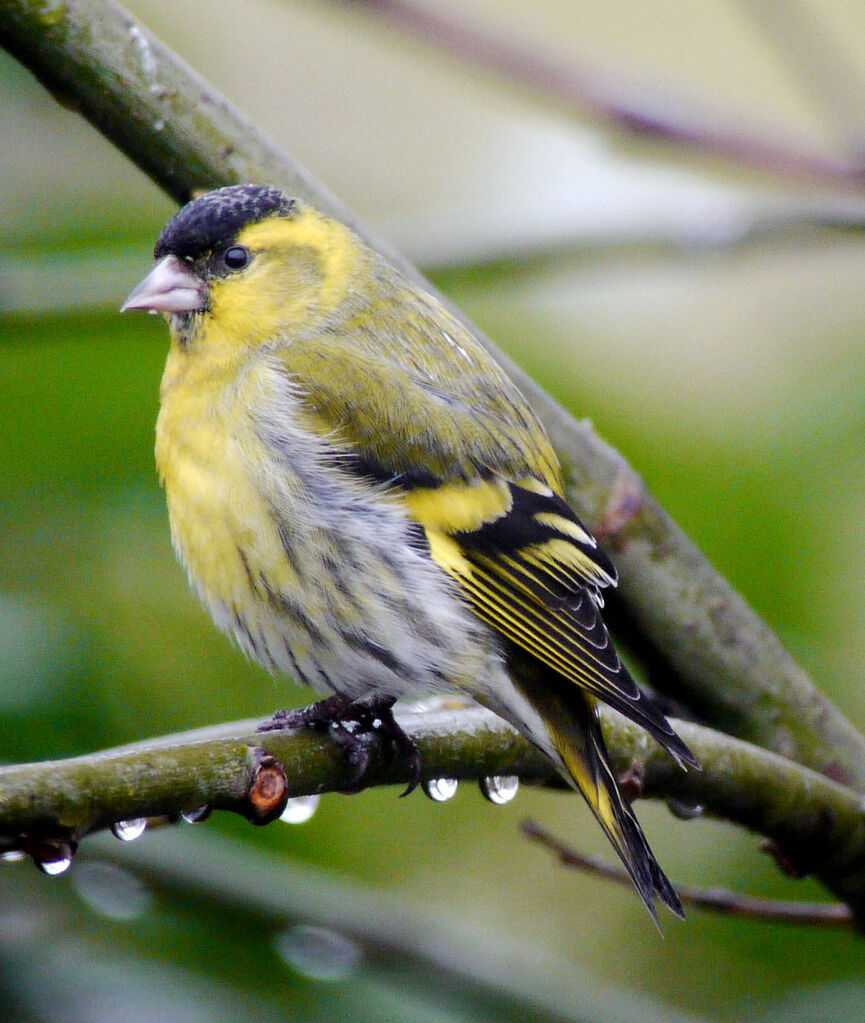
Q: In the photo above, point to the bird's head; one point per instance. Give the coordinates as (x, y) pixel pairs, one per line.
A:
(246, 263)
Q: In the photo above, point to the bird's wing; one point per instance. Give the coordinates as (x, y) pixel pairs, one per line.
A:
(406, 423)
(536, 575)
(474, 469)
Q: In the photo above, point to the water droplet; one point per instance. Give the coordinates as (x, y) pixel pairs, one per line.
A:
(499, 788)
(196, 816)
(300, 809)
(111, 891)
(319, 952)
(440, 790)
(13, 855)
(684, 811)
(54, 867)
(128, 831)
(159, 125)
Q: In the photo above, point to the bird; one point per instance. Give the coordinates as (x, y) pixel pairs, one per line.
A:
(364, 500)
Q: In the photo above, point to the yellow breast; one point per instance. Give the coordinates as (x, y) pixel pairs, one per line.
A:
(206, 450)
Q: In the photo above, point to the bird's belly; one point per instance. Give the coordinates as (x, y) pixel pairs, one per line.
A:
(313, 579)
(224, 533)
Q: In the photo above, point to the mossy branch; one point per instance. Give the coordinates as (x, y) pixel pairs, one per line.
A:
(818, 824)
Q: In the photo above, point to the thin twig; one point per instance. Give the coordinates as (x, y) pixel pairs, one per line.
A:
(586, 91)
(718, 900)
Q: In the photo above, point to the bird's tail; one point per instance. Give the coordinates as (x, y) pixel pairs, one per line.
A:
(584, 754)
(575, 742)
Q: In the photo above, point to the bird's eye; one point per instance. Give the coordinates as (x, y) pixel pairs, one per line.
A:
(236, 258)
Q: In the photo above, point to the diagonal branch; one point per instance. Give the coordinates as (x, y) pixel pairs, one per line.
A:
(731, 669)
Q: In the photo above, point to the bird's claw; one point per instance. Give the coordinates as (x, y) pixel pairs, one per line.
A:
(336, 713)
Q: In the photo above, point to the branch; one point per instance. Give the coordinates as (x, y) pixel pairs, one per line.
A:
(640, 111)
(718, 900)
(47, 808)
(219, 768)
(731, 668)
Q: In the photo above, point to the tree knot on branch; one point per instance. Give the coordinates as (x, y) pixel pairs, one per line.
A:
(267, 794)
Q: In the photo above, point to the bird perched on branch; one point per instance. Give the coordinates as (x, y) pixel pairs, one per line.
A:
(364, 500)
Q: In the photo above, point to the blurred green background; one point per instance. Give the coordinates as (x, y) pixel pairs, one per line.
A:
(710, 320)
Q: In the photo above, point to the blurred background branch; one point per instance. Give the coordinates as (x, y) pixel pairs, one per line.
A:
(648, 115)
(718, 900)
(728, 666)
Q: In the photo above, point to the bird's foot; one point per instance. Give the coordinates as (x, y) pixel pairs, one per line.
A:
(383, 721)
(316, 715)
(349, 722)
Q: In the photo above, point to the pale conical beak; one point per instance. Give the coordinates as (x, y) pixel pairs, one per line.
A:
(170, 287)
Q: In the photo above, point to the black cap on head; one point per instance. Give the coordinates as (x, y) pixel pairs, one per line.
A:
(215, 218)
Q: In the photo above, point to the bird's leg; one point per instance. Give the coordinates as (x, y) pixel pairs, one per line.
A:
(316, 715)
(338, 714)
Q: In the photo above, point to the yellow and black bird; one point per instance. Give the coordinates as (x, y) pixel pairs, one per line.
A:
(365, 501)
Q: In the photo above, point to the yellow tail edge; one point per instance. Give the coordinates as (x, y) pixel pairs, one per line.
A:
(584, 755)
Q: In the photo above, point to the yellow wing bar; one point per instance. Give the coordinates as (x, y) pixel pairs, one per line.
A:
(535, 575)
